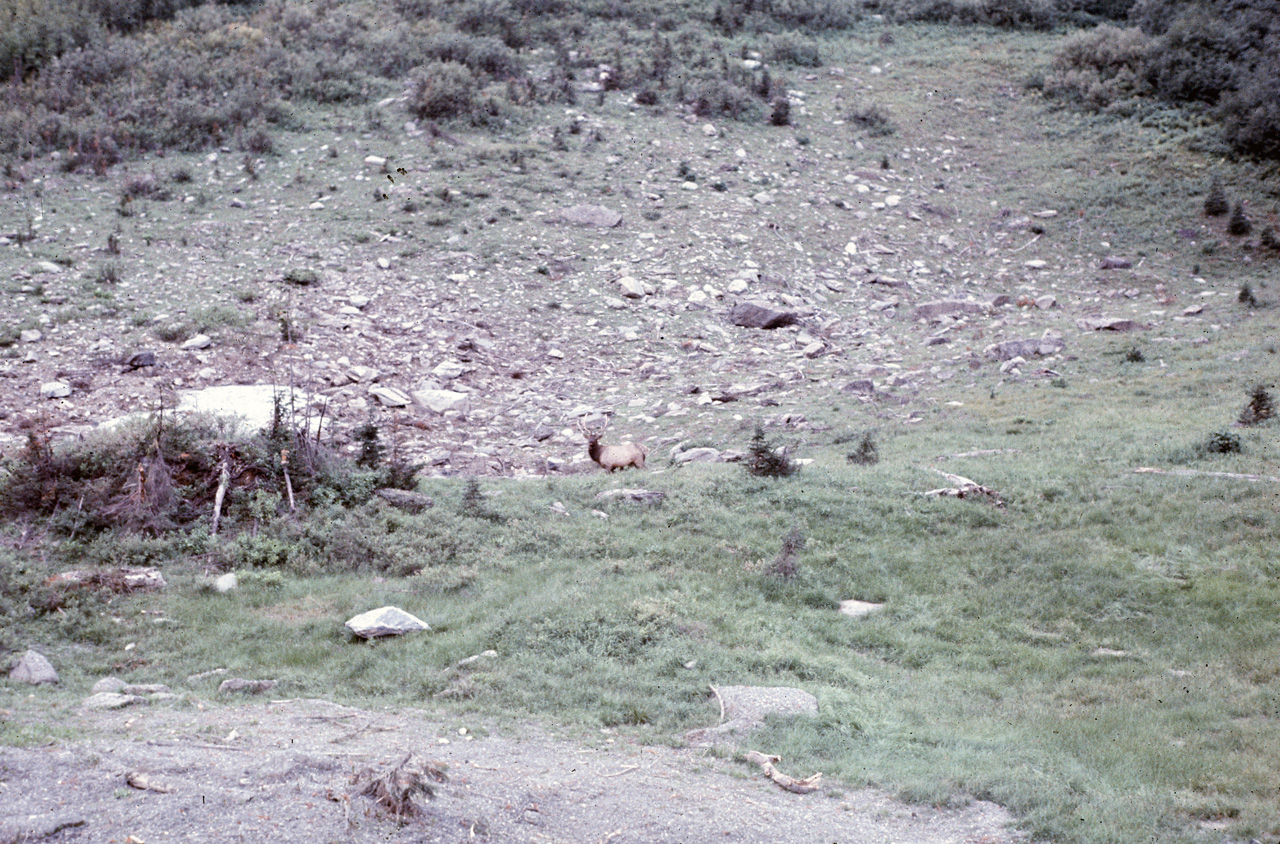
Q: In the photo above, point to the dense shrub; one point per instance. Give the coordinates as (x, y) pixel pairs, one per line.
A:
(1102, 66)
(442, 90)
(721, 98)
(1009, 14)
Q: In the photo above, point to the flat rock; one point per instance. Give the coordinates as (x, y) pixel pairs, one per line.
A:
(591, 215)
(1114, 262)
(1049, 344)
(703, 454)
(243, 686)
(55, 390)
(855, 608)
(748, 314)
(34, 669)
(385, 621)
(1108, 324)
(199, 341)
(110, 700)
(390, 396)
(108, 685)
(440, 401)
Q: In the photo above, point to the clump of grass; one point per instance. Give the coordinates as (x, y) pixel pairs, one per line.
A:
(1270, 239)
(781, 113)
(866, 453)
(108, 274)
(765, 460)
(1134, 355)
(1246, 297)
(874, 119)
(1260, 408)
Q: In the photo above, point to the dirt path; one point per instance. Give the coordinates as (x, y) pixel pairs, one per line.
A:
(283, 773)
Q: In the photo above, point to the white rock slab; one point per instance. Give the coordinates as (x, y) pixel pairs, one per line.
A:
(34, 669)
(385, 621)
(856, 608)
(439, 401)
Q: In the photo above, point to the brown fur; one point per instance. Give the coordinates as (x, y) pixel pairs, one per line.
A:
(613, 457)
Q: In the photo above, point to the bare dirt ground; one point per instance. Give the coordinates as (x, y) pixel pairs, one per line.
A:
(289, 771)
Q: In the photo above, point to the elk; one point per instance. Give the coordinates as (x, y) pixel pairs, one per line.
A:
(612, 457)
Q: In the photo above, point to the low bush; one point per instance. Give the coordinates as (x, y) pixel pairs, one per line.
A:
(721, 98)
(442, 90)
(766, 460)
(1260, 408)
(1100, 67)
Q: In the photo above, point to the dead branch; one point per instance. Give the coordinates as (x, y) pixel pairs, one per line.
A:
(140, 781)
(1193, 473)
(965, 488)
(224, 478)
(395, 790)
(766, 762)
(288, 484)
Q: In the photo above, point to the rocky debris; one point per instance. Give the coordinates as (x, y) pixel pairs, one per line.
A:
(591, 215)
(116, 580)
(640, 496)
(55, 390)
(33, 668)
(632, 287)
(1113, 262)
(755, 314)
(935, 311)
(390, 396)
(406, 500)
(30, 335)
(240, 685)
(1108, 324)
(1051, 343)
(385, 621)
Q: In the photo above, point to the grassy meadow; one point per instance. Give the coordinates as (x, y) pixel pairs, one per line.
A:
(1101, 654)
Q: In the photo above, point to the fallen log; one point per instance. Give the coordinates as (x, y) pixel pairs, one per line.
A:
(1194, 473)
(766, 762)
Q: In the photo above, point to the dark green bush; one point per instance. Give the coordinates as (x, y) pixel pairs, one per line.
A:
(1216, 204)
(1009, 14)
(1100, 67)
(721, 98)
(1260, 408)
(765, 460)
(442, 90)
(789, 49)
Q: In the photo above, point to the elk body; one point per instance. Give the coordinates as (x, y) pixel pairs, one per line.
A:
(613, 457)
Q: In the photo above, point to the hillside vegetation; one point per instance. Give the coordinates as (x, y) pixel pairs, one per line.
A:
(105, 78)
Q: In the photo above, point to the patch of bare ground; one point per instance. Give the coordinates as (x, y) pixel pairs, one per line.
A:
(293, 772)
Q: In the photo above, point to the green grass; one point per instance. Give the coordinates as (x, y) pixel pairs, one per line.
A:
(1100, 656)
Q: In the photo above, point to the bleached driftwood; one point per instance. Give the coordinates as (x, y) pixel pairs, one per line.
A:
(965, 488)
(1190, 473)
(766, 763)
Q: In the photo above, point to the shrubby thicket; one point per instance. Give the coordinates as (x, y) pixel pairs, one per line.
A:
(89, 78)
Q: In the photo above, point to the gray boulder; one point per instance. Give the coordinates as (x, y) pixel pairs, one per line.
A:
(1049, 344)
(33, 668)
(759, 315)
(385, 621)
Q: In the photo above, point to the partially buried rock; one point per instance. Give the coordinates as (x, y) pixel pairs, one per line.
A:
(34, 669)
(141, 359)
(592, 215)
(1108, 324)
(406, 500)
(243, 686)
(759, 315)
(110, 700)
(385, 621)
(55, 390)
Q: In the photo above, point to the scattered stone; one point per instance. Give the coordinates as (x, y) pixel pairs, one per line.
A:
(34, 669)
(449, 370)
(750, 314)
(110, 700)
(30, 335)
(375, 161)
(385, 621)
(702, 454)
(1105, 324)
(855, 608)
(1049, 344)
(47, 267)
(199, 341)
(631, 287)
(243, 686)
(591, 215)
(390, 396)
(1113, 262)
(442, 401)
(108, 685)
(55, 390)
(406, 500)
(1035, 264)
(860, 386)
(301, 276)
(141, 359)
(1046, 301)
